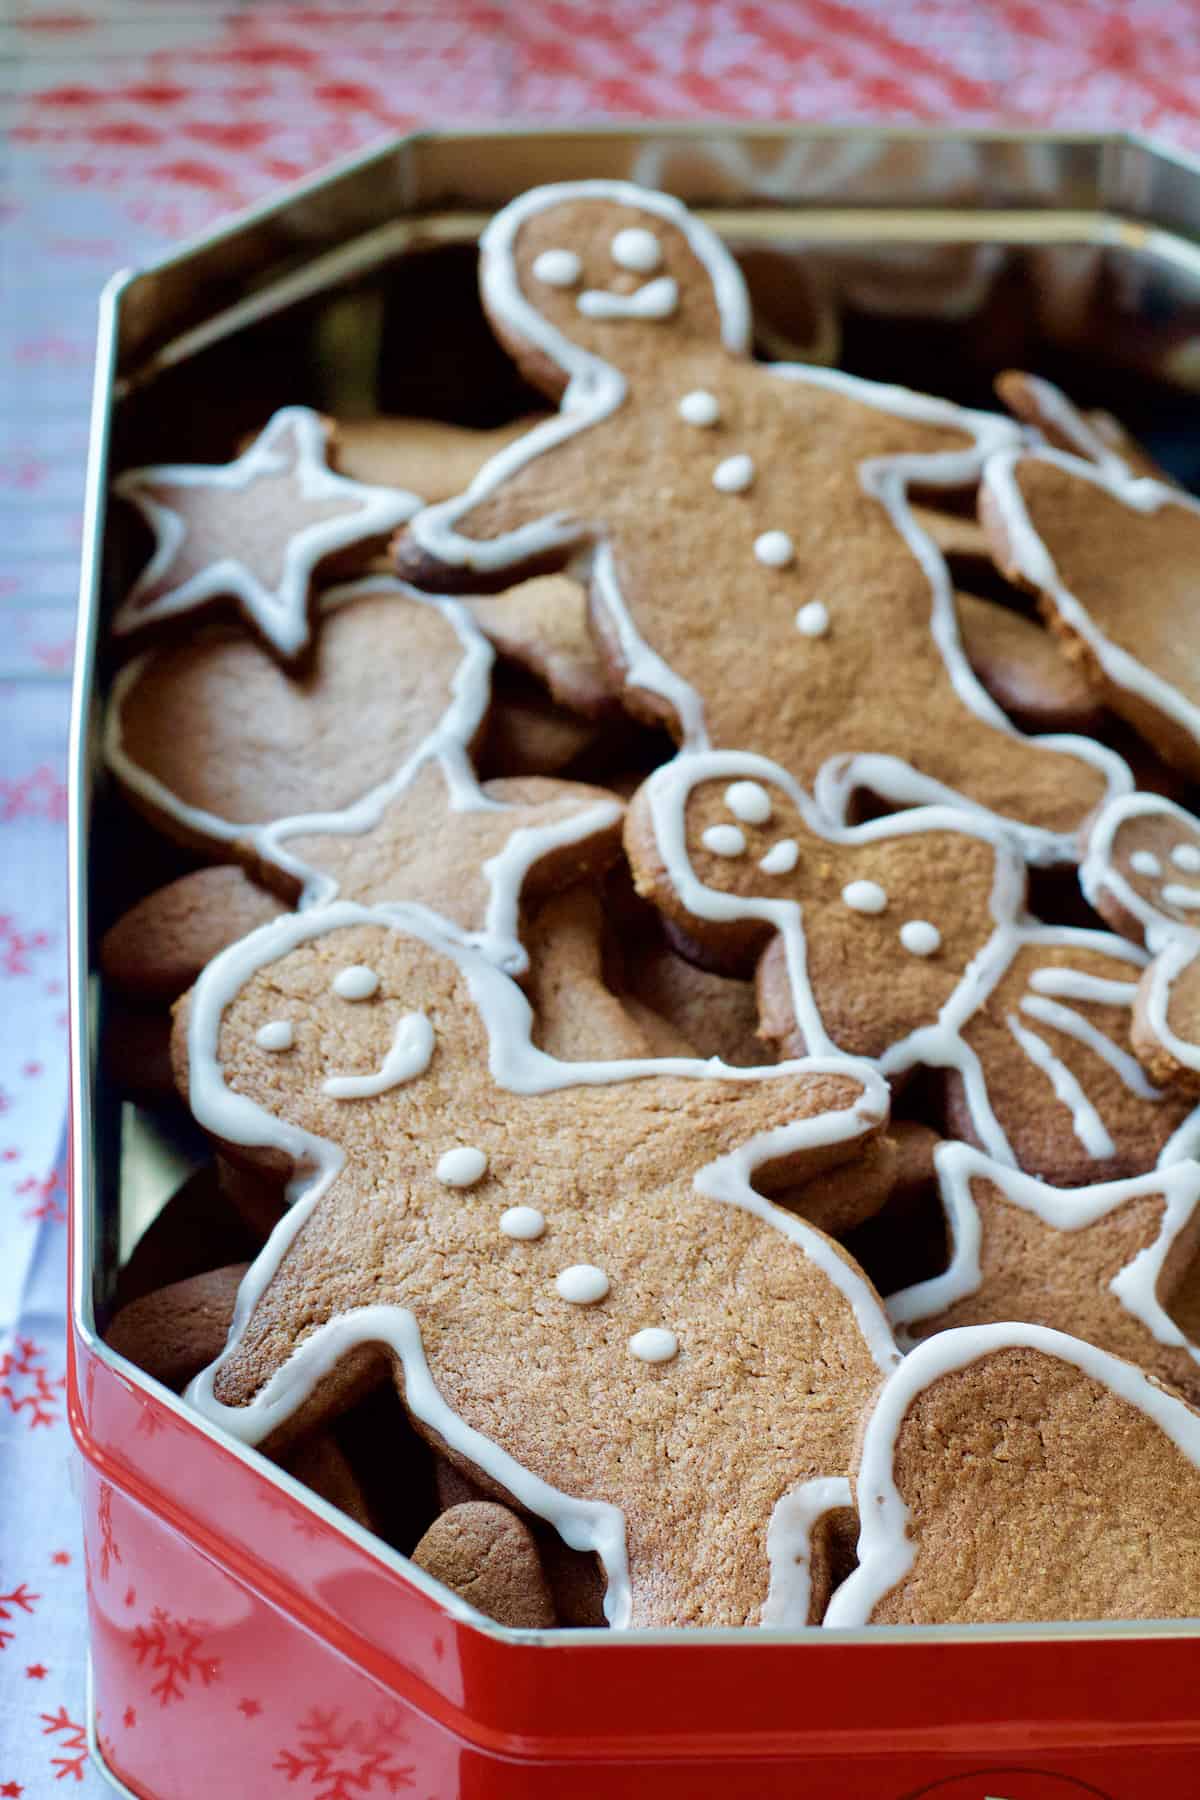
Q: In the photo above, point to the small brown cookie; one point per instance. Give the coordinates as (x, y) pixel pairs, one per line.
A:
(576, 1016)
(1112, 559)
(528, 734)
(730, 607)
(502, 1226)
(175, 1331)
(1008, 1473)
(1023, 669)
(487, 1555)
(158, 948)
(258, 531)
(1141, 868)
(716, 1014)
(542, 626)
(135, 1051)
(425, 456)
(196, 1230)
(575, 1579)
(322, 1465)
(1102, 1263)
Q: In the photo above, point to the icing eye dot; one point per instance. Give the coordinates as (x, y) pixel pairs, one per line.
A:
(558, 268)
(813, 620)
(781, 858)
(654, 1345)
(865, 896)
(356, 982)
(748, 800)
(637, 249)
(775, 549)
(699, 408)
(734, 475)
(1144, 862)
(1186, 856)
(523, 1222)
(582, 1284)
(920, 938)
(460, 1167)
(724, 840)
(278, 1034)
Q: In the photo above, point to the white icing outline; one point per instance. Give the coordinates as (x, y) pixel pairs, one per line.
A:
(1063, 1209)
(1172, 960)
(446, 744)
(1033, 561)
(1061, 412)
(1101, 876)
(280, 614)
(939, 1045)
(596, 389)
(886, 1551)
(515, 1064)
(789, 1547)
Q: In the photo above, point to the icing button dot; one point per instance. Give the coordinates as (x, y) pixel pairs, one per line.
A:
(699, 408)
(781, 858)
(558, 268)
(523, 1222)
(278, 1034)
(1186, 856)
(637, 249)
(582, 1284)
(813, 620)
(775, 549)
(724, 840)
(748, 800)
(356, 983)
(865, 896)
(920, 938)
(461, 1167)
(1144, 862)
(654, 1345)
(734, 475)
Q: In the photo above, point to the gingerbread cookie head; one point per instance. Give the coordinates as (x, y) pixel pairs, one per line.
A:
(256, 531)
(876, 926)
(987, 1451)
(580, 275)
(1141, 868)
(503, 1228)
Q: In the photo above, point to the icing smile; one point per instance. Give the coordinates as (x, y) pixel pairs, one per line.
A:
(653, 300)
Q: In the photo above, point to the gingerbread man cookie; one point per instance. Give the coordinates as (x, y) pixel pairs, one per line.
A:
(730, 504)
(906, 940)
(258, 531)
(1008, 1472)
(565, 1263)
(1141, 870)
(1101, 1262)
(1111, 556)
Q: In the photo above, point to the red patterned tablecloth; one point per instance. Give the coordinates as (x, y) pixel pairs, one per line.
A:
(129, 123)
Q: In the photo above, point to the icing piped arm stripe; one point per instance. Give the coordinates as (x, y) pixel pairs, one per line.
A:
(789, 1547)
(1086, 1122)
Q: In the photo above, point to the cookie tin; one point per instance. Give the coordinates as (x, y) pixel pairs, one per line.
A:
(248, 1639)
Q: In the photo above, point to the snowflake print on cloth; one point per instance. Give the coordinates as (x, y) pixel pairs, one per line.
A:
(339, 1762)
(16, 946)
(27, 1389)
(71, 1740)
(19, 1600)
(171, 1650)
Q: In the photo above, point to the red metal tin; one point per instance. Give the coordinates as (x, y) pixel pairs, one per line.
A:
(249, 1640)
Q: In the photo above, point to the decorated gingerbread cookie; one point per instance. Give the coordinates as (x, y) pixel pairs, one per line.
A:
(1102, 1263)
(503, 1227)
(690, 471)
(258, 531)
(1008, 1473)
(1094, 543)
(906, 940)
(1055, 418)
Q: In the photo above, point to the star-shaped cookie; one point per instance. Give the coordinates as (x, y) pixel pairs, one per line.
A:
(255, 531)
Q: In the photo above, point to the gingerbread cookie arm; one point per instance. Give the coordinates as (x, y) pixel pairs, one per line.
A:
(1000, 1423)
(1023, 1250)
(1094, 599)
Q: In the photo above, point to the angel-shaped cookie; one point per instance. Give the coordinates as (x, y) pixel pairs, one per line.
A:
(355, 779)
(1141, 870)
(906, 940)
(1008, 1472)
(1112, 555)
(572, 1269)
(758, 578)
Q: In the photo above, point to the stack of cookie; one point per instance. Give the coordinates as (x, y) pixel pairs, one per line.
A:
(697, 1019)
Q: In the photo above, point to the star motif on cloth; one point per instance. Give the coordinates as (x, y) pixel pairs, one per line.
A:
(36, 1672)
(12, 1790)
(250, 1708)
(255, 530)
